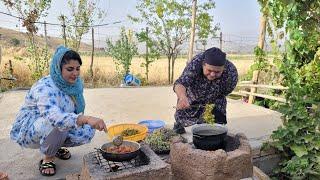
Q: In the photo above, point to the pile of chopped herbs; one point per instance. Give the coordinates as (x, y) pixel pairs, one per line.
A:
(159, 141)
(129, 132)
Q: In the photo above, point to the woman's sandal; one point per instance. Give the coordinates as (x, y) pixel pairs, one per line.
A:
(47, 165)
(63, 153)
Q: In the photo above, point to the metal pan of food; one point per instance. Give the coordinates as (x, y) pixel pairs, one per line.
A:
(126, 151)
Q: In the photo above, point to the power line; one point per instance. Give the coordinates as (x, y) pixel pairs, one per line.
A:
(55, 24)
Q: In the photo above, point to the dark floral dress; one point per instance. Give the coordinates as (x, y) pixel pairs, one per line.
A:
(201, 91)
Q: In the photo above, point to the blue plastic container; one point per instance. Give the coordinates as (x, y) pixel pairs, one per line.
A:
(131, 80)
(153, 124)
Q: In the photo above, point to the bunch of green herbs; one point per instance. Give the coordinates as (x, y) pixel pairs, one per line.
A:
(160, 139)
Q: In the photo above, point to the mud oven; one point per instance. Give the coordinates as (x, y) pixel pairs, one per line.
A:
(186, 163)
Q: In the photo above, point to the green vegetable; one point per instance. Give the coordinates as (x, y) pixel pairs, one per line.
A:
(129, 132)
(160, 139)
(207, 115)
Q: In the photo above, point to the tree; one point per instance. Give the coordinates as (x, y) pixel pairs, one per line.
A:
(30, 12)
(299, 138)
(152, 53)
(83, 15)
(122, 51)
(15, 42)
(169, 24)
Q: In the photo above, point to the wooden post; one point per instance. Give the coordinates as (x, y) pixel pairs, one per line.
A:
(45, 33)
(0, 55)
(11, 74)
(147, 54)
(193, 27)
(262, 36)
(92, 53)
(220, 40)
(0, 51)
(10, 68)
(46, 47)
(64, 30)
(0, 64)
(255, 76)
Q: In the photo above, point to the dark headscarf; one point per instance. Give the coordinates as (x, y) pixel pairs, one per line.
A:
(215, 57)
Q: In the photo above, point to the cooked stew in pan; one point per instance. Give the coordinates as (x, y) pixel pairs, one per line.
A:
(120, 149)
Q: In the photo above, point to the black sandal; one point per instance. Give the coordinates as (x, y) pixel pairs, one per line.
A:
(47, 165)
(63, 153)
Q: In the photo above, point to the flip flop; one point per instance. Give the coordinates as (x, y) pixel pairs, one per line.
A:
(47, 165)
(63, 153)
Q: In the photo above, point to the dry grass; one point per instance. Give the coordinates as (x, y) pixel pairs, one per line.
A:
(105, 74)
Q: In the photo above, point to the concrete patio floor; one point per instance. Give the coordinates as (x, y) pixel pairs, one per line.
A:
(117, 105)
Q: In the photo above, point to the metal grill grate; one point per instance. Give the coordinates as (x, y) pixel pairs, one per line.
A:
(112, 166)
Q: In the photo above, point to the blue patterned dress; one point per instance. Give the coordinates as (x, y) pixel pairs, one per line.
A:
(47, 107)
(201, 91)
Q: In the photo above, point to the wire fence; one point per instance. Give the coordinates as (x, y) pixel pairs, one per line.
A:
(230, 43)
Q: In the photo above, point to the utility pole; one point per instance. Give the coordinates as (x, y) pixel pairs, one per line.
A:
(193, 27)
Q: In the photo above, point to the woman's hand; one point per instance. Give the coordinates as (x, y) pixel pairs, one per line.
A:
(94, 122)
(183, 103)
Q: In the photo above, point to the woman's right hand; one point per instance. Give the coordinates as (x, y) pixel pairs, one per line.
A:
(94, 122)
(183, 103)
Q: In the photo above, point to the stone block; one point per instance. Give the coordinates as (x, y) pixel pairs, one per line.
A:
(267, 163)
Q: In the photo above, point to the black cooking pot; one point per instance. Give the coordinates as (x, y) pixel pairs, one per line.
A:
(117, 157)
(209, 137)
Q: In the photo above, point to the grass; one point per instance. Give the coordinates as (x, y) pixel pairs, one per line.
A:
(105, 74)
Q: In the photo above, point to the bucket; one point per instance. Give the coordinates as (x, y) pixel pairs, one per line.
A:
(152, 124)
(131, 80)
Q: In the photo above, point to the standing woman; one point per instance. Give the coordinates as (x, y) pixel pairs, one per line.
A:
(51, 117)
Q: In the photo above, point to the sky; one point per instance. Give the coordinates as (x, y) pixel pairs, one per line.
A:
(237, 18)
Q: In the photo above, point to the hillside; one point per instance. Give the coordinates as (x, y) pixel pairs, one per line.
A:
(11, 39)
